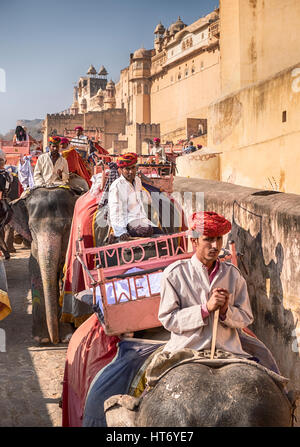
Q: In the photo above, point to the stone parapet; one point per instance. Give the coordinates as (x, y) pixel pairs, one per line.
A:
(266, 230)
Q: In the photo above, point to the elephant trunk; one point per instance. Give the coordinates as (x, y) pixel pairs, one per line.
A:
(49, 252)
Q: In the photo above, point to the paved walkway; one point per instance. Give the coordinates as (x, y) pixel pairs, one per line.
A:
(30, 376)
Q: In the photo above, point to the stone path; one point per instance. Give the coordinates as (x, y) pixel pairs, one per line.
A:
(30, 376)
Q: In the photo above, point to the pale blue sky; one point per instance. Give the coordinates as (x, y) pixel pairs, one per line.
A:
(45, 46)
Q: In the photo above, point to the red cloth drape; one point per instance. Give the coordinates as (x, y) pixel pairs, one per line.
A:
(76, 164)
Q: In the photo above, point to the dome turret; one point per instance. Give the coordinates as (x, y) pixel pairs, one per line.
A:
(102, 71)
(91, 70)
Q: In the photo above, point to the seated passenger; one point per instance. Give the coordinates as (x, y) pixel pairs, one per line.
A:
(64, 144)
(192, 289)
(127, 215)
(80, 142)
(51, 168)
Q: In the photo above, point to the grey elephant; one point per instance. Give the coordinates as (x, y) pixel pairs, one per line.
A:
(44, 217)
(197, 395)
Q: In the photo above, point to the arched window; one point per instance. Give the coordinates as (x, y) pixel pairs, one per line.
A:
(139, 89)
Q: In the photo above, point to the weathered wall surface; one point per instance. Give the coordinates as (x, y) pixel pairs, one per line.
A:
(198, 165)
(258, 39)
(257, 129)
(266, 229)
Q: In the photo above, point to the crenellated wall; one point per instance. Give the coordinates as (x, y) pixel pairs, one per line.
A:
(266, 230)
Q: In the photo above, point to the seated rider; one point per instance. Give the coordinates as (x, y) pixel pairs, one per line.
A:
(157, 149)
(80, 142)
(51, 168)
(192, 289)
(127, 215)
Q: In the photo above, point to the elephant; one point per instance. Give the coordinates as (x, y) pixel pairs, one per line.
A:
(197, 395)
(44, 217)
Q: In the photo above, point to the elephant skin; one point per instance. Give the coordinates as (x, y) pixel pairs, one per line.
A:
(44, 218)
(194, 395)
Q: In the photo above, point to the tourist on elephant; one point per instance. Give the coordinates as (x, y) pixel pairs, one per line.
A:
(64, 144)
(80, 142)
(51, 168)
(192, 289)
(20, 135)
(127, 215)
(157, 151)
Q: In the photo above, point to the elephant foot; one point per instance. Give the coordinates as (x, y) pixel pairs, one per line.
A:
(66, 338)
(41, 340)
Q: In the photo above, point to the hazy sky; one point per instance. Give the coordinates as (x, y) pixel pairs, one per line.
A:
(46, 45)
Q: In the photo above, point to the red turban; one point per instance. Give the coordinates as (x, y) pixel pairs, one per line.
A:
(54, 140)
(127, 160)
(78, 128)
(209, 224)
(64, 140)
(156, 140)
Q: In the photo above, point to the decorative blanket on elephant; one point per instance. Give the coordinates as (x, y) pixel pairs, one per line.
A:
(89, 351)
(75, 311)
(5, 306)
(98, 363)
(122, 376)
(76, 164)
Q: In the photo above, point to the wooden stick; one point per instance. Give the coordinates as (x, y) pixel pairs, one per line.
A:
(214, 333)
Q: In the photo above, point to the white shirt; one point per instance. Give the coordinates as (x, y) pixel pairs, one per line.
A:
(125, 204)
(185, 287)
(45, 173)
(160, 151)
(80, 141)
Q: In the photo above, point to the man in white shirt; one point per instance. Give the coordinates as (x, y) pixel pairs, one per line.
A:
(127, 215)
(51, 168)
(192, 290)
(80, 142)
(157, 149)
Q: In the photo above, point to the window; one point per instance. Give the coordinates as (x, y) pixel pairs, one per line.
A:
(186, 72)
(193, 70)
(284, 116)
(179, 76)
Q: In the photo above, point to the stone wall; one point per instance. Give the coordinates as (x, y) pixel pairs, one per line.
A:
(266, 230)
(111, 122)
(257, 130)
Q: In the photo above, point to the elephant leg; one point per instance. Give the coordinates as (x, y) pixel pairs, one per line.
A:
(3, 245)
(39, 323)
(9, 238)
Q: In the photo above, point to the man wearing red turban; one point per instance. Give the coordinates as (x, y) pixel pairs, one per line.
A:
(158, 150)
(192, 289)
(80, 142)
(51, 168)
(126, 198)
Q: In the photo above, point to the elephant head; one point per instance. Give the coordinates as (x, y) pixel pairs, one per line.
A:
(195, 395)
(45, 218)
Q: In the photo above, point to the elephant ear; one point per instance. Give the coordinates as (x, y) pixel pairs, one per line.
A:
(19, 219)
(120, 410)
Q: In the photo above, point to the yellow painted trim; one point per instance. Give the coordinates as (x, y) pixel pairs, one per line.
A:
(5, 301)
